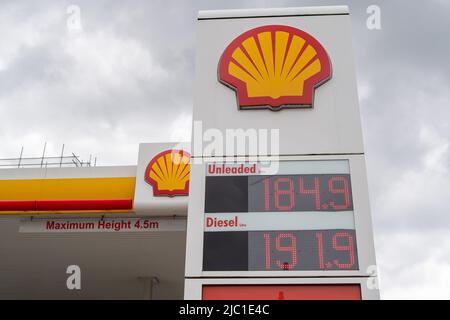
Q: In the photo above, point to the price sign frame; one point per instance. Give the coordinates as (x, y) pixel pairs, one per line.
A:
(361, 217)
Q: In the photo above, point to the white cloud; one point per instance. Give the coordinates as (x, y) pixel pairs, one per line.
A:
(412, 222)
(436, 158)
(83, 89)
(414, 265)
(364, 90)
(104, 61)
(181, 128)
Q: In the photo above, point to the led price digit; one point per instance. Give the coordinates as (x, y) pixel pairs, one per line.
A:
(278, 244)
(289, 193)
(348, 247)
(291, 248)
(336, 190)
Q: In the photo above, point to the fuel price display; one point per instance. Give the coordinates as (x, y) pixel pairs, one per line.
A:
(300, 218)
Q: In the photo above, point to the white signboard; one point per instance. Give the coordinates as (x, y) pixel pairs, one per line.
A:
(153, 196)
(235, 54)
(277, 84)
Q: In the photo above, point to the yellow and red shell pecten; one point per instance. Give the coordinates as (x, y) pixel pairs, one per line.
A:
(168, 173)
(274, 66)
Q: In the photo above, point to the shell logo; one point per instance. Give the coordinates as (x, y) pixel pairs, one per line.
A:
(274, 66)
(168, 173)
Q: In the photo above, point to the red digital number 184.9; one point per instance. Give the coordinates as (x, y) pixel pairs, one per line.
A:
(282, 193)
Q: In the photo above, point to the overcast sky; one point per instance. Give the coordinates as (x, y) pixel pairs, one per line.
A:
(126, 78)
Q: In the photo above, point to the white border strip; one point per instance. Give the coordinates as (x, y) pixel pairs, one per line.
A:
(114, 225)
(272, 12)
(262, 221)
(284, 167)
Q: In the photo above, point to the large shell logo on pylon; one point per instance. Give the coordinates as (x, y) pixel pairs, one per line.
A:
(168, 173)
(274, 66)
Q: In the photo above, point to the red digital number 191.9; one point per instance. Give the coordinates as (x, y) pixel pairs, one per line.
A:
(287, 242)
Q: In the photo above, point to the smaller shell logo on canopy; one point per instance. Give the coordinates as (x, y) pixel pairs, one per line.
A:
(274, 66)
(168, 173)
